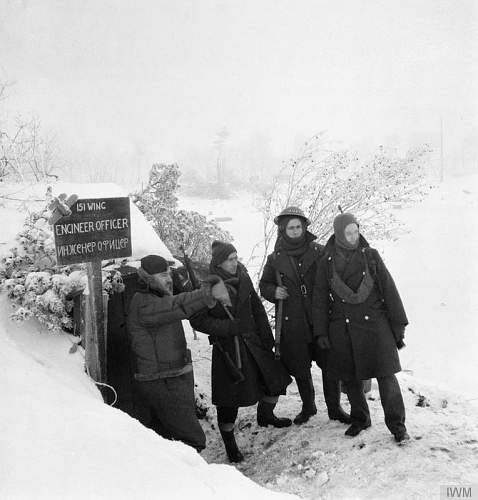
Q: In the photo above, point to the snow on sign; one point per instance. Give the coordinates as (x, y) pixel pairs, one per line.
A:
(96, 229)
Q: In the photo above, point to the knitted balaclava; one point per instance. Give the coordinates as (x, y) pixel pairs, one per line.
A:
(221, 251)
(340, 223)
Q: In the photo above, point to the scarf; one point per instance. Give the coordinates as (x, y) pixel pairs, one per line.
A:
(294, 247)
(230, 280)
(344, 291)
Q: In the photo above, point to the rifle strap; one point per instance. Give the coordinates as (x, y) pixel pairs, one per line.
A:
(303, 290)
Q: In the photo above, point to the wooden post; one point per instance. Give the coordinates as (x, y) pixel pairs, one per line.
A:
(108, 237)
(95, 333)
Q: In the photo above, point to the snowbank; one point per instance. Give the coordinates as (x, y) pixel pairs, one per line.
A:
(436, 268)
(58, 439)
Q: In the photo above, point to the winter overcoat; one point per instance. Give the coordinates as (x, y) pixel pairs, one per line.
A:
(263, 374)
(363, 336)
(297, 346)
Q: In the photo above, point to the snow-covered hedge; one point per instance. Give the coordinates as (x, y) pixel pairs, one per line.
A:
(36, 285)
(177, 228)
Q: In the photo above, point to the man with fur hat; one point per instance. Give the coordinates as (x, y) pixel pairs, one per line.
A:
(288, 276)
(359, 317)
(241, 333)
(163, 370)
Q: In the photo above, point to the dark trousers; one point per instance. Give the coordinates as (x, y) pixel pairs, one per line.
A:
(169, 408)
(390, 397)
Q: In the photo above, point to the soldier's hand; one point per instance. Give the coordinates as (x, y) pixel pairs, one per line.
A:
(400, 344)
(398, 330)
(281, 293)
(220, 293)
(212, 279)
(323, 343)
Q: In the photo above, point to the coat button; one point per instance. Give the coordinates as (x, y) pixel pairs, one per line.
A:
(347, 320)
(366, 317)
(343, 300)
(286, 318)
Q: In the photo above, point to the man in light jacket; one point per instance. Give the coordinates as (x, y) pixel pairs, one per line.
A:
(163, 370)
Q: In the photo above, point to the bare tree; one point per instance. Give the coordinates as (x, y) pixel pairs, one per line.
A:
(25, 154)
(319, 179)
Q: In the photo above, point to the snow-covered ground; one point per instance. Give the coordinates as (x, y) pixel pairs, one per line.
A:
(58, 440)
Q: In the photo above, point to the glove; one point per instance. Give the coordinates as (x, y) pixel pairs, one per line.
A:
(398, 330)
(220, 293)
(212, 279)
(400, 344)
(323, 343)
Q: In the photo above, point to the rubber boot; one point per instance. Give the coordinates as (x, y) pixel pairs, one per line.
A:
(265, 416)
(307, 394)
(233, 453)
(332, 399)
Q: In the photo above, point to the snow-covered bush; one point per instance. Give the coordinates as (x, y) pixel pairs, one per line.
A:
(36, 285)
(177, 228)
(318, 180)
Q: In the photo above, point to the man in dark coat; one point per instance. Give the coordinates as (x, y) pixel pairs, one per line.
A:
(359, 317)
(163, 370)
(243, 334)
(289, 276)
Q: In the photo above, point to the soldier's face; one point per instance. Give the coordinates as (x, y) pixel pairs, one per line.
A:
(294, 228)
(352, 233)
(230, 264)
(163, 282)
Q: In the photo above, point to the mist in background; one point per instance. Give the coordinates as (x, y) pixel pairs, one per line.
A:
(120, 85)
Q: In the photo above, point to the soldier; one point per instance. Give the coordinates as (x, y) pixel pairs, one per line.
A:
(288, 276)
(359, 317)
(241, 334)
(163, 371)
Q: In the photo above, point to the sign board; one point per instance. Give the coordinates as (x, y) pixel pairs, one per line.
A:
(97, 229)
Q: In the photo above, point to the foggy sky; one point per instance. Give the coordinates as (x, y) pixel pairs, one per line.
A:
(163, 76)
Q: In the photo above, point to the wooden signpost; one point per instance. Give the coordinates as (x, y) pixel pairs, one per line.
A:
(89, 231)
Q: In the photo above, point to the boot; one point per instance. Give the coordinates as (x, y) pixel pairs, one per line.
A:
(307, 394)
(265, 416)
(233, 453)
(401, 435)
(356, 428)
(332, 399)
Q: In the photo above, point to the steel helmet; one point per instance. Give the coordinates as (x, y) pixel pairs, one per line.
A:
(292, 212)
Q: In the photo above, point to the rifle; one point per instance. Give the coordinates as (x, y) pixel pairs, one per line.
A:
(236, 340)
(234, 369)
(189, 268)
(278, 325)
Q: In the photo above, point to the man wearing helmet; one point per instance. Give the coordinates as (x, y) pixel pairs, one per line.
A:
(288, 276)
